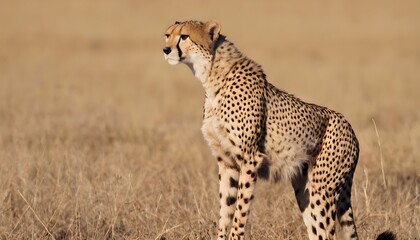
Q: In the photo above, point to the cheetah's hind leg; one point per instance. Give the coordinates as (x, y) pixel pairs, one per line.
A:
(326, 211)
(318, 210)
(345, 218)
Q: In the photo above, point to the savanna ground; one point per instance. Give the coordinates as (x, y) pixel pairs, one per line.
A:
(100, 139)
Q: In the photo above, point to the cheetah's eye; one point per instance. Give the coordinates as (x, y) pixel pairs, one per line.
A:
(167, 35)
(184, 37)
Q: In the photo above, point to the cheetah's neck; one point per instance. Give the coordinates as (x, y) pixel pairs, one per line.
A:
(212, 69)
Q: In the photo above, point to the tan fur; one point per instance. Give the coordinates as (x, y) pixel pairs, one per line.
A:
(197, 31)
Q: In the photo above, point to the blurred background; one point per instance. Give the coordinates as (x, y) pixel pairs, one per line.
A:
(100, 137)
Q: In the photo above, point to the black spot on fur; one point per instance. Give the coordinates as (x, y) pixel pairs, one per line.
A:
(233, 183)
(313, 230)
(230, 200)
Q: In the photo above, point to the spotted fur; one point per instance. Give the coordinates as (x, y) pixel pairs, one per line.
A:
(256, 130)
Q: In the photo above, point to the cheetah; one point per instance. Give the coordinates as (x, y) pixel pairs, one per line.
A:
(256, 130)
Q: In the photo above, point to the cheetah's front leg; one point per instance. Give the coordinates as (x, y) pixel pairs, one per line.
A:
(228, 188)
(247, 180)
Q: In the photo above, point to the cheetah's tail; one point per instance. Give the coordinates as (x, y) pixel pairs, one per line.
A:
(387, 235)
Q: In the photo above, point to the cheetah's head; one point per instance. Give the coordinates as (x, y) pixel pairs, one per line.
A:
(190, 41)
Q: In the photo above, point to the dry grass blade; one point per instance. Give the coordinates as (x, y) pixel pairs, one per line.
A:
(36, 215)
(380, 152)
(170, 229)
(365, 189)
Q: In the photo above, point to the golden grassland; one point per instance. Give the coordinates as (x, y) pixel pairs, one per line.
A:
(100, 139)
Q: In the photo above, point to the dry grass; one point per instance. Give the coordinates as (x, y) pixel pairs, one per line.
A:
(99, 137)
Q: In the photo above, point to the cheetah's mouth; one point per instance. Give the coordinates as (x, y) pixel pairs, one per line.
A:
(172, 60)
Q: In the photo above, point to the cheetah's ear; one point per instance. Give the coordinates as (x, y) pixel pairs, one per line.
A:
(213, 29)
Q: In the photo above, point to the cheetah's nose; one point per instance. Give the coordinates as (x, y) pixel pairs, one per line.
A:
(167, 50)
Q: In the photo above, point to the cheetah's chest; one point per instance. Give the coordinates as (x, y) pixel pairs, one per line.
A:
(214, 130)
